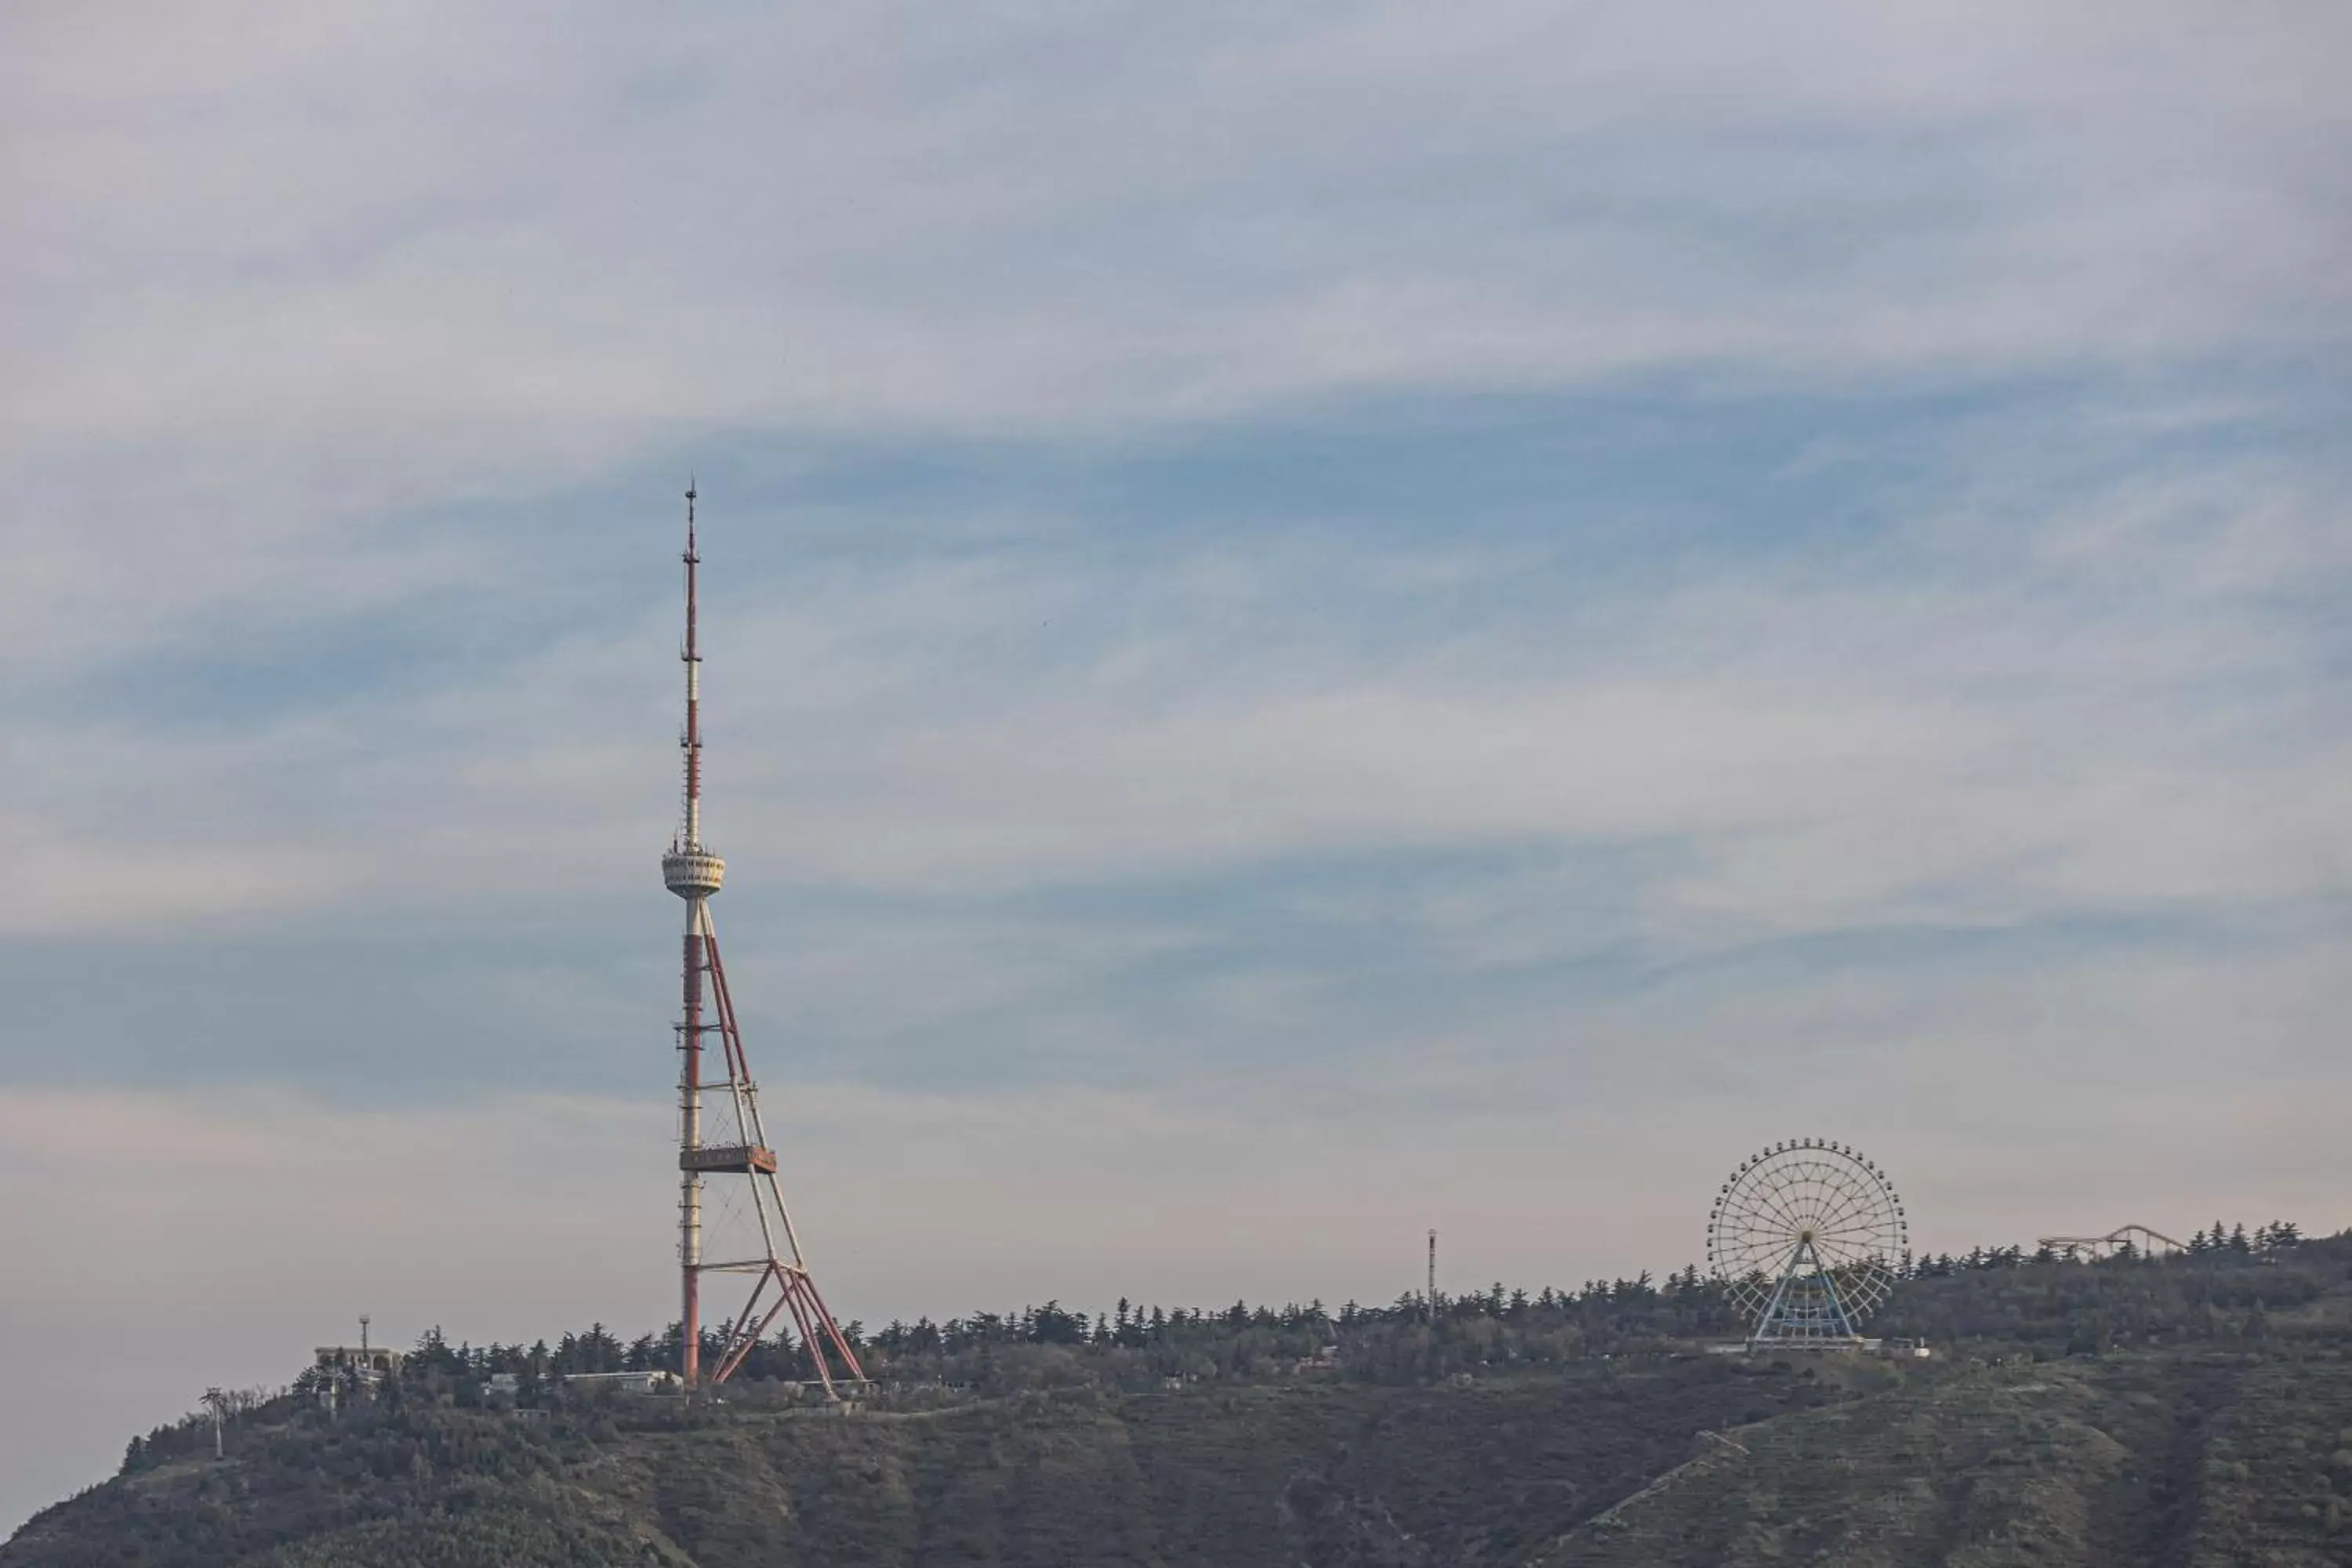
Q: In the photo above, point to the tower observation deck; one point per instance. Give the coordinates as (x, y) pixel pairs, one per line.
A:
(693, 873)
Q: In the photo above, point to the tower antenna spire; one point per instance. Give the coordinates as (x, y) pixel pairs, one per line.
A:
(691, 742)
(733, 1141)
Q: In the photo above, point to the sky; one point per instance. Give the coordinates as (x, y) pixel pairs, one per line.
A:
(1320, 622)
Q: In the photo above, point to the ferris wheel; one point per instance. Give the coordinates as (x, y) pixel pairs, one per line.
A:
(1806, 1239)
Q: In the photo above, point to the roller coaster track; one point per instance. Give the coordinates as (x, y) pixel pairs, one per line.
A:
(2138, 1237)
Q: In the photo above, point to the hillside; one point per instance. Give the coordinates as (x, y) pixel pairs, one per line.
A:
(2137, 1460)
(1272, 1475)
(2193, 1413)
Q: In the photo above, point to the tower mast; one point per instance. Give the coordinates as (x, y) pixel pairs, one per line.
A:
(741, 1148)
(702, 878)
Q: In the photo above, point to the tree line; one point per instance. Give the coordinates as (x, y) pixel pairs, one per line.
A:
(2229, 1286)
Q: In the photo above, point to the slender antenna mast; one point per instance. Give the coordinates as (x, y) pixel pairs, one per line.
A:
(735, 1142)
(1429, 1300)
(691, 742)
(693, 876)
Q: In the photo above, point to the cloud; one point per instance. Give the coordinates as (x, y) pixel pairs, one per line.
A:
(268, 294)
(2107, 697)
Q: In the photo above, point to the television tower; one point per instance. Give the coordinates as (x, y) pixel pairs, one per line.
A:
(730, 1141)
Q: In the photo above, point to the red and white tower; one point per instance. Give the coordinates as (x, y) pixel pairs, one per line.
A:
(720, 1140)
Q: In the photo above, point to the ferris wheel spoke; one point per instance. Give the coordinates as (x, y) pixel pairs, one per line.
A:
(1796, 1215)
(1851, 1210)
(1760, 1205)
(1841, 1202)
(1864, 1216)
(1774, 1201)
(1856, 1224)
(1754, 1210)
(1805, 1206)
(1849, 1254)
(1857, 1199)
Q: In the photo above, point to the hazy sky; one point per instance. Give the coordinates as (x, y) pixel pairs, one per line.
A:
(1322, 620)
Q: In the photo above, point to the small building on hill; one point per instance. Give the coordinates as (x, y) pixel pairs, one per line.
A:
(621, 1382)
(504, 1386)
(372, 1363)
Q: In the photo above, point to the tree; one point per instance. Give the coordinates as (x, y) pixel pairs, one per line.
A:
(1050, 1325)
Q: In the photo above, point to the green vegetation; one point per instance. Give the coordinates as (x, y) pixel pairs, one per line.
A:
(1267, 1473)
(2194, 1410)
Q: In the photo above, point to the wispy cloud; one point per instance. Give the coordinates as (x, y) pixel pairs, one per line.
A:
(391, 258)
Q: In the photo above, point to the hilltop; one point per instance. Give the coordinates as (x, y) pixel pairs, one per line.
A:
(2191, 1411)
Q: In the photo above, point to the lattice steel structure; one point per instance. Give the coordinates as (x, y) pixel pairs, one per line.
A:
(2135, 1240)
(721, 1139)
(1807, 1238)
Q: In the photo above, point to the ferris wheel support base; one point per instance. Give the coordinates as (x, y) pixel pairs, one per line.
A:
(1890, 1350)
